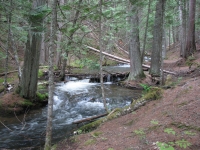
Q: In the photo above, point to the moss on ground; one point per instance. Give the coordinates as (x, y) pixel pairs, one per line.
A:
(41, 97)
(26, 103)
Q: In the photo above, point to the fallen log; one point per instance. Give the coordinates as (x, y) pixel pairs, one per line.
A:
(3, 74)
(109, 55)
(124, 60)
(89, 119)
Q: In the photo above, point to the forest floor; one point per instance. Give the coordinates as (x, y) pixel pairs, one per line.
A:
(173, 120)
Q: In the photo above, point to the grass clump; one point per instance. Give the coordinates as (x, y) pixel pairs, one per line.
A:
(73, 139)
(140, 133)
(96, 134)
(90, 142)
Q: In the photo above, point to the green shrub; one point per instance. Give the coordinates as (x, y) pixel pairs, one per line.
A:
(40, 73)
(145, 87)
(41, 96)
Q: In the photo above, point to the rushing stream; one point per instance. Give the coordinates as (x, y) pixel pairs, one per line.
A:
(73, 101)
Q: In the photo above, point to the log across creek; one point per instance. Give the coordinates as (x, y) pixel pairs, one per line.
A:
(122, 60)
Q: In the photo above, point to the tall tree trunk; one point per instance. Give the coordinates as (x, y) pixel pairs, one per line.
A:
(9, 15)
(173, 35)
(136, 71)
(191, 45)
(157, 39)
(182, 17)
(101, 55)
(42, 53)
(58, 50)
(169, 37)
(164, 44)
(16, 56)
(28, 84)
(59, 40)
(145, 33)
(51, 76)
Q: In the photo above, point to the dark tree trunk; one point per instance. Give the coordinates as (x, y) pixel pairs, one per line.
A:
(136, 71)
(145, 33)
(28, 84)
(157, 39)
(191, 45)
(9, 17)
(182, 16)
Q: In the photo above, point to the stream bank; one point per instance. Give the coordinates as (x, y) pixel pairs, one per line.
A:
(73, 100)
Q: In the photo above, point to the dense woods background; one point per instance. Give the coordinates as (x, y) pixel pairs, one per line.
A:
(59, 33)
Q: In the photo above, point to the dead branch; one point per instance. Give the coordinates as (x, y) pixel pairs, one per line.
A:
(5, 126)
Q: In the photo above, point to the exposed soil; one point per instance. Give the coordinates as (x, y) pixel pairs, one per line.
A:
(174, 118)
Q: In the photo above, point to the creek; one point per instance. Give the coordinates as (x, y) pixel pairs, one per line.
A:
(74, 100)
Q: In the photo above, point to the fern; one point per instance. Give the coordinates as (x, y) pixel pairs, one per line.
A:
(145, 87)
(170, 131)
(164, 146)
(183, 143)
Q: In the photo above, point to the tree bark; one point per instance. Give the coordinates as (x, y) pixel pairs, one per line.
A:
(28, 84)
(145, 33)
(9, 17)
(48, 138)
(101, 55)
(16, 56)
(136, 71)
(157, 39)
(182, 17)
(191, 45)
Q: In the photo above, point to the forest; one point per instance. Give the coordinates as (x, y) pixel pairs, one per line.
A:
(45, 44)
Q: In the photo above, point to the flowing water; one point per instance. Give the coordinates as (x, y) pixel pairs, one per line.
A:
(73, 101)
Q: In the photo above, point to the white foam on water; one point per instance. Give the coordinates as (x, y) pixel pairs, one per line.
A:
(108, 83)
(124, 65)
(57, 102)
(77, 86)
(90, 106)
